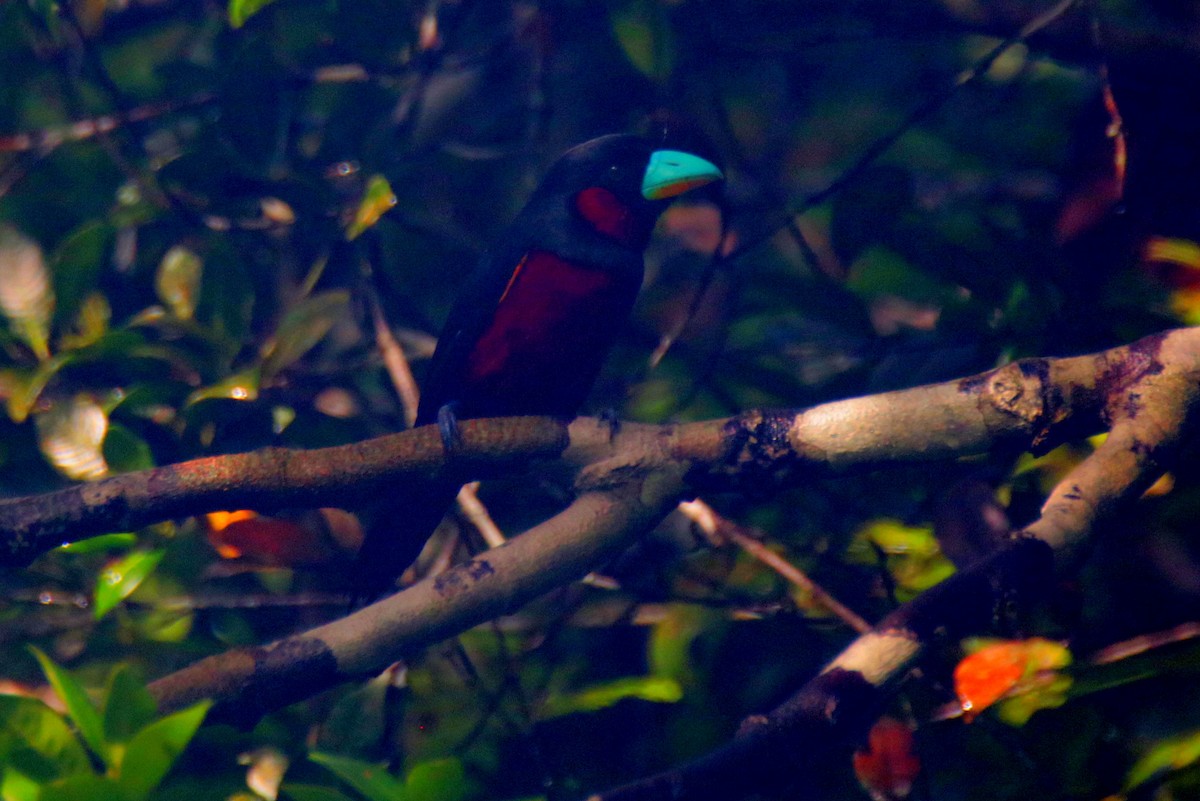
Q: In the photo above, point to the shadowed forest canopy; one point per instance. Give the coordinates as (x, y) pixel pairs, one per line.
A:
(887, 488)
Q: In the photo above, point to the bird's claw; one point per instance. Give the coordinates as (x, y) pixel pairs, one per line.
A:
(609, 418)
(447, 421)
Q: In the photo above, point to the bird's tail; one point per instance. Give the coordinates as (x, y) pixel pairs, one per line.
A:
(397, 527)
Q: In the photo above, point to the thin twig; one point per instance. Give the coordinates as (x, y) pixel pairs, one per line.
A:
(395, 362)
(884, 143)
(477, 514)
(1145, 642)
(717, 527)
(445, 555)
(48, 139)
(398, 370)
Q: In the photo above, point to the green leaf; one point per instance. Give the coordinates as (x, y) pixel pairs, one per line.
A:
(177, 281)
(153, 750)
(881, 271)
(233, 629)
(125, 451)
(241, 386)
(85, 788)
(132, 209)
(671, 641)
(437, 780)
(894, 538)
(48, 11)
(105, 542)
(164, 624)
(121, 578)
(128, 705)
(16, 786)
(227, 299)
(302, 328)
(659, 689)
(35, 740)
(1165, 756)
(312, 792)
(1047, 691)
(376, 201)
(242, 10)
(76, 265)
(367, 778)
(26, 295)
(80, 708)
(913, 555)
(90, 325)
(24, 387)
(644, 34)
(360, 717)
(70, 435)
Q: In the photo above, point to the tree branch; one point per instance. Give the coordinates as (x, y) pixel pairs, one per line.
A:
(836, 708)
(249, 682)
(1146, 392)
(265, 480)
(1034, 403)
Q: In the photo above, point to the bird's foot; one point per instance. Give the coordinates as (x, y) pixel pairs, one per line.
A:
(447, 420)
(609, 418)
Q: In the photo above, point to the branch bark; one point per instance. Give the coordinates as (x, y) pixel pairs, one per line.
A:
(1146, 393)
(248, 682)
(1143, 394)
(1034, 403)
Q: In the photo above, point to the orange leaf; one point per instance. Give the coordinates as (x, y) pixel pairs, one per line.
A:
(982, 678)
(888, 765)
(1028, 670)
(283, 542)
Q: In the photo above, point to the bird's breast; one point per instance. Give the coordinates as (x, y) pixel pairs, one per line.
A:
(551, 329)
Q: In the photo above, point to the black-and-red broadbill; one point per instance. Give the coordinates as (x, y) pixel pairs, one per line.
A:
(530, 329)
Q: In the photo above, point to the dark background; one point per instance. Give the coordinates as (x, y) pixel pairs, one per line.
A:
(206, 300)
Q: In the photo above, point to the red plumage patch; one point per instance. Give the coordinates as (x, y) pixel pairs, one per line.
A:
(607, 214)
(549, 306)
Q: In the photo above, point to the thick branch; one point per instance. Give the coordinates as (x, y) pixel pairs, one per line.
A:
(246, 683)
(266, 480)
(1144, 391)
(836, 708)
(1035, 403)
(1147, 393)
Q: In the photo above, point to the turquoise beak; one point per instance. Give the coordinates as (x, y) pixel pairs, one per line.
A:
(673, 172)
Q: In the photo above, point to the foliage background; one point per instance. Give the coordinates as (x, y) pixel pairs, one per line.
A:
(184, 284)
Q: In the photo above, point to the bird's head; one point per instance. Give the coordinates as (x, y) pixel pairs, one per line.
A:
(619, 184)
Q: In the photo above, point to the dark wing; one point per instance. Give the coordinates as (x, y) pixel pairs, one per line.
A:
(469, 318)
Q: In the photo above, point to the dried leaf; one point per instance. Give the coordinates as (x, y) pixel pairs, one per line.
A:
(888, 765)
(71, 435)
(376, 201)
(177, 281)
(265, 772)
(26, 295)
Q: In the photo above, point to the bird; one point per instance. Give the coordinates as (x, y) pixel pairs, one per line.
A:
(532, 325)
